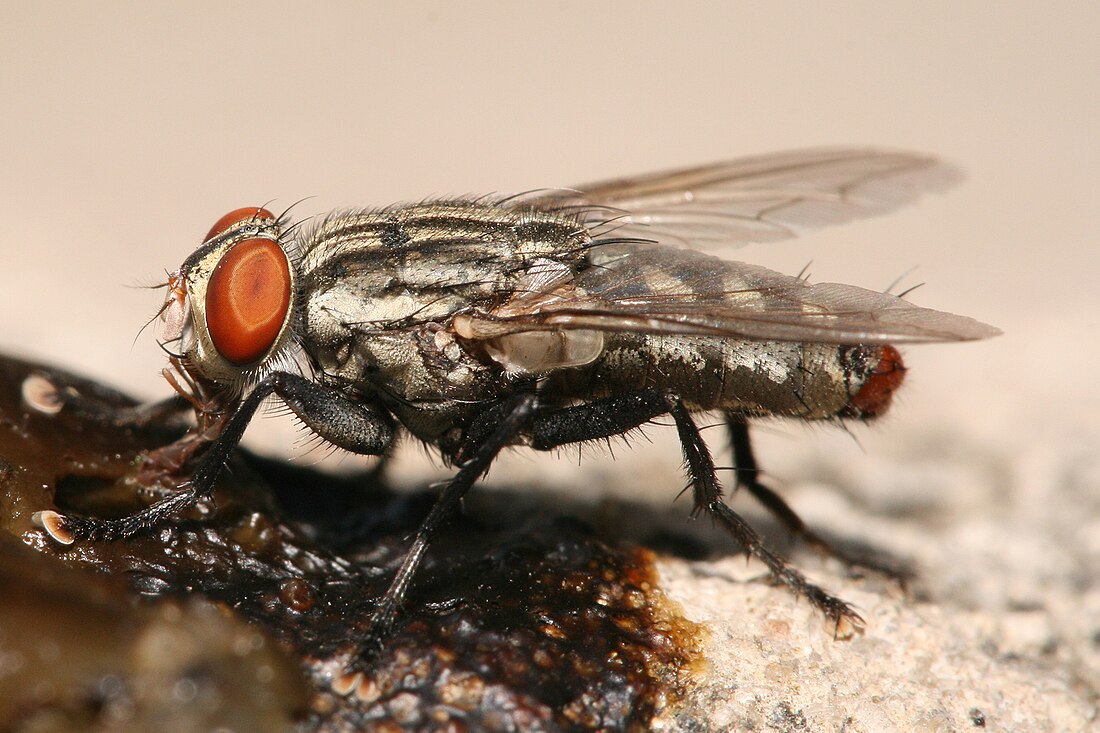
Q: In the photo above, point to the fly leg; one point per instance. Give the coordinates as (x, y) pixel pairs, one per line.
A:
(708, 498)
(512, 421)
(748, 476)
(613, 415)
(353, 425)
(602, 418)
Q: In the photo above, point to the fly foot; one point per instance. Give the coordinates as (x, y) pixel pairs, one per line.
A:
(356, 685)
(56, 526)
(357, 680)
(844, 619)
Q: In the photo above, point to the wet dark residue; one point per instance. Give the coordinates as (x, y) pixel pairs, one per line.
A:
(532, 625)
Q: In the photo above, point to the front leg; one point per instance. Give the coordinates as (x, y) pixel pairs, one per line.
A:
(355, 426)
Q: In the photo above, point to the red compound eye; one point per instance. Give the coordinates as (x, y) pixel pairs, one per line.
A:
(247, 300)
(248, 213)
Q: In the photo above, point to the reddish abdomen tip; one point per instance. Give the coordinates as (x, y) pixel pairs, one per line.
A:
(876, 393)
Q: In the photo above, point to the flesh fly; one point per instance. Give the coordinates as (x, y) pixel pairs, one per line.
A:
(550, 318)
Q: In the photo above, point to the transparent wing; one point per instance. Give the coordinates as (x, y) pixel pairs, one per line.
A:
(656, 289)
(759, 199)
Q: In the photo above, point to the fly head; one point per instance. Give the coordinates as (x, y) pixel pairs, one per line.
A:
(230, 306)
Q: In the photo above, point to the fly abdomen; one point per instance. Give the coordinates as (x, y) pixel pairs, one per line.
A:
(805, 380)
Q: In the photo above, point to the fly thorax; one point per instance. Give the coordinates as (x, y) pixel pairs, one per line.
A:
(412, 364)
(388, 338)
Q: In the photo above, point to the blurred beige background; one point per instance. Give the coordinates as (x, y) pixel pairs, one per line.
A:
(127, 129)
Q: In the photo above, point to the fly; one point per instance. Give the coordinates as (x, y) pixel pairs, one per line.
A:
(546, 319)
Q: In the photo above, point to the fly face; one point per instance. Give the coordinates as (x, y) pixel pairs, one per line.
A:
(548, 319)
